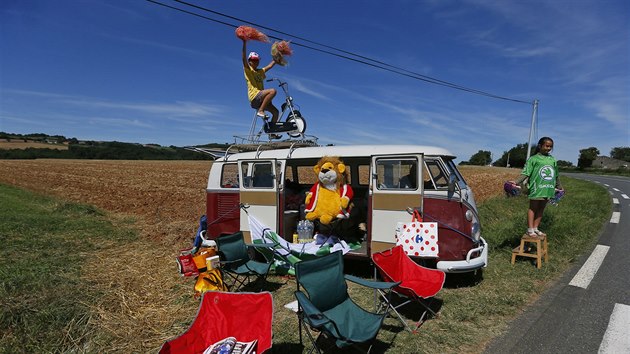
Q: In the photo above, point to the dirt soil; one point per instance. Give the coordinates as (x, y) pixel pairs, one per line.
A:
(166, 198)
(158, 193)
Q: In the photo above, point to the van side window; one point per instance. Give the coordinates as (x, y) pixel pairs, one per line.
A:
(261, 175)
(435, 176)
(306, 175)
(364, 175)
(396, 173)
(229, 176)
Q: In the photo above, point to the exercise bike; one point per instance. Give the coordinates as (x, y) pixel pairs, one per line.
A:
(294, 124)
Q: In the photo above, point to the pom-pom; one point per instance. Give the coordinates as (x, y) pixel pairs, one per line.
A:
(279, 50)
(283, 47)
(247, 33)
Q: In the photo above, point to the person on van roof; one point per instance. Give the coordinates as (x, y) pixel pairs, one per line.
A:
(259, 97)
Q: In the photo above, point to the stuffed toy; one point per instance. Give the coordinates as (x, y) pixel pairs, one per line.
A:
(330, 197)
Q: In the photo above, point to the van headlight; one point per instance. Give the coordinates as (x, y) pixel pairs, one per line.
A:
(475, 229)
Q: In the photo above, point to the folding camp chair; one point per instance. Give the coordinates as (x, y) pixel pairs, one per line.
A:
(280, 249)
(328, 308)
(244, 316)
(236, 262)
(417, 283)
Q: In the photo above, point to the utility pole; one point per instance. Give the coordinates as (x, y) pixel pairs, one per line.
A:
(531, 128)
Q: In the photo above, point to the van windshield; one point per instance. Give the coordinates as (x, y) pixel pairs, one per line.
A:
(436, 176)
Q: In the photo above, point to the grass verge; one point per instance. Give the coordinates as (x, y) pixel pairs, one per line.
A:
(52, 300)
(44, 300)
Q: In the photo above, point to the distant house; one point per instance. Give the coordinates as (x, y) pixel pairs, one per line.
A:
(606, 162)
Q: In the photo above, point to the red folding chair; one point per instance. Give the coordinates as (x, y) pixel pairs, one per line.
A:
(417, 282)
(244, 316)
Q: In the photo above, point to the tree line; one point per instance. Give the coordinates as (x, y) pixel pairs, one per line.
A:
(108, 150)
(516, 157)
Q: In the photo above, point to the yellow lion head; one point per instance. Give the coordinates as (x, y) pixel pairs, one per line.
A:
(330, 169)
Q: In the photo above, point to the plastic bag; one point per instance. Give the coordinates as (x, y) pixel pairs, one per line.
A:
(210, 280)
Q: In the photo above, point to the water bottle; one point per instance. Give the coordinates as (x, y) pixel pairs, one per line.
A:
(309, 228)
(302, 231)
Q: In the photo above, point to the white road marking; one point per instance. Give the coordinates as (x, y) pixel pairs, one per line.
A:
(607, 185)
(583, 278)
(615, 201)
(616, 190)
(614, 219)
(616, 339)
(625, 196)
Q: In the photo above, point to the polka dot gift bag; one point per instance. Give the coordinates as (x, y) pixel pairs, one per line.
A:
(418, 238)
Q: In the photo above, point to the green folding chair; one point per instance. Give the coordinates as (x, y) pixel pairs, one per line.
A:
(236, 262)
(325, 306)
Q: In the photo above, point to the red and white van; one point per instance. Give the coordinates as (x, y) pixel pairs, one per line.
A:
(272, 183)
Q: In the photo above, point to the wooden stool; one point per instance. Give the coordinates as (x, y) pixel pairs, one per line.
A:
(541, 249)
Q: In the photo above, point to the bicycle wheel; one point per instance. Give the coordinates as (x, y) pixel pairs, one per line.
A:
(300, 124)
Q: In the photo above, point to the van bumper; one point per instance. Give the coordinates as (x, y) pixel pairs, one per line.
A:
(469, 264)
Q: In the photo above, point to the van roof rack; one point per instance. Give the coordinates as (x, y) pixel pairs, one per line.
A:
(258, 147)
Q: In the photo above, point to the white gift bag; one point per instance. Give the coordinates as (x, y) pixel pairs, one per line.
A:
(418, 238)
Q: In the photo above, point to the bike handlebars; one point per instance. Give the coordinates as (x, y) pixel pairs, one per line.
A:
(280, 82)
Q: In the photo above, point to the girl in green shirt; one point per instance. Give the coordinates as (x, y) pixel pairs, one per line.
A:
(541, 171)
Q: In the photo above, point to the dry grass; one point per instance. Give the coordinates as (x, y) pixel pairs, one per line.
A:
(145, 302)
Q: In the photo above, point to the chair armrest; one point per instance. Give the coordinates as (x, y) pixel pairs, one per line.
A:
(260, 245)
(229, 263)
(261, 248)
(314, 316)
(382, 285)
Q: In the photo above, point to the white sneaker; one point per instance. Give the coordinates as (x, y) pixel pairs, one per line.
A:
(540, 233)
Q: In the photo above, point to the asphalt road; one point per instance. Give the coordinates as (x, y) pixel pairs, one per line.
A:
(588, 309)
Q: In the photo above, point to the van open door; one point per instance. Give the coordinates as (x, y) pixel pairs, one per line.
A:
(258, 192)
(395, 187)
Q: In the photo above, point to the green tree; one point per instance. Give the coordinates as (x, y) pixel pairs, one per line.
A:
(587, 156)
(563, 163)
(516, 156)
(481, 158)
(620, 153)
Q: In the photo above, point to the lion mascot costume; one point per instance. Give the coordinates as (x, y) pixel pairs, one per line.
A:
(330, 197)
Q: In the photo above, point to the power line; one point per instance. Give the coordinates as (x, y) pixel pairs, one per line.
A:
(346, 54)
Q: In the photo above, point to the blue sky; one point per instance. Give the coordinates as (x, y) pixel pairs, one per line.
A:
(134, 71)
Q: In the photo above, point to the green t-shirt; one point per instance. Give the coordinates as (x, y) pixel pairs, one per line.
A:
(542, 171)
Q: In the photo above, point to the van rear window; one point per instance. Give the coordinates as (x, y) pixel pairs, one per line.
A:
(229, 176)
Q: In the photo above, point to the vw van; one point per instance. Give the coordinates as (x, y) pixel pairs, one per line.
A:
(271, 183)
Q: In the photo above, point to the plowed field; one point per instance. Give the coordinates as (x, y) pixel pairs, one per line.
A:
(164, 195)
(167, 196)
